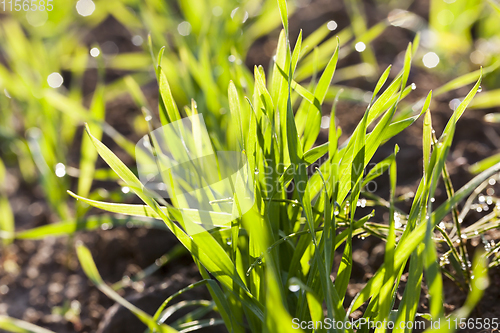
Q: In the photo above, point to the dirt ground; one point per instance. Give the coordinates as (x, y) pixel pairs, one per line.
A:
(43, 283)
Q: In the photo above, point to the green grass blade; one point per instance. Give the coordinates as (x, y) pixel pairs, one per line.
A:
(284, 15)
(466, 79)
(88, 265)
(327, 76)
(385, 298)
(10, 324)
(234, 107)
(168, 109)
(411, 296)
(7, 224)
(219, 219)
(296, 52)
(202, 245)
(484, 164)
(418, 235)
(67, 228)
(88, 154)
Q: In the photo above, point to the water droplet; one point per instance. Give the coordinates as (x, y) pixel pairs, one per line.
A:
(85, 7)
(413, 86)
(94, 52)
(294, 287)
(430, 60)
(148, 117)
(233, 12)
(125, 189)
(360, 46)
(109, 49)
(482, 283)
(454, 103)
(477, 57)
(332, 25)
(479, 209)
(217, 11)
(4, 289)
(229, 242)
(492, 181)
(256, 171)
(184, 28)
(137, 40)
(433, 199)
(55, 80)
(37, 18)
(445, 17)
(464, 236)
(481, 198)
(325, 122)
(400, 18)
(245, 17)
(60, 170)
(479, 89)
(231, 58)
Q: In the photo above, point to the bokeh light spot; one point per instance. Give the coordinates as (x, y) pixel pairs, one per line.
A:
(332, 25)
(184, 28)
(55, 80)
(360, 46)
(94, 52)
(85, 7)
(430, 60)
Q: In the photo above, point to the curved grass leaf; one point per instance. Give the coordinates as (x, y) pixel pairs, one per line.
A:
(88, 265)
(10, 324)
